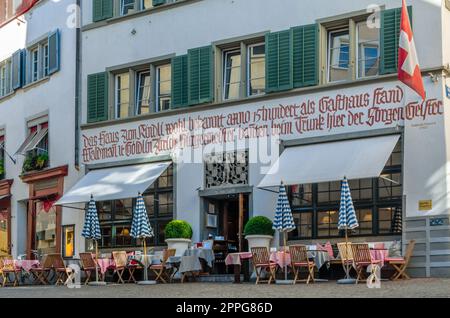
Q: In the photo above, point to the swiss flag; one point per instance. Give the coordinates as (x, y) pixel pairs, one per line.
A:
(408, 64)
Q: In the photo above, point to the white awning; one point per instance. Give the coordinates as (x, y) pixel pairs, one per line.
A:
(114, 183)
(332, 161)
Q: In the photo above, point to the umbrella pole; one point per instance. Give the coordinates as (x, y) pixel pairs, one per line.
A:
(145, 261)
(284, 255)
(96, 261)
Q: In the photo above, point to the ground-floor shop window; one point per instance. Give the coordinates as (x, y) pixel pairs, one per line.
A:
(45, 228)
(4, 229)
(377, 202)
(68, 241)
(116, 216)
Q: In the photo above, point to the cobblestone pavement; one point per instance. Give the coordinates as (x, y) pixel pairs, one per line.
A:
(413, 288)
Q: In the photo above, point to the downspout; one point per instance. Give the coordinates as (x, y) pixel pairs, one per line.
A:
(78, 86)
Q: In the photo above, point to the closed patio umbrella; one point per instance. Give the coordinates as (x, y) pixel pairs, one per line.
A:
(91, 230)
(141, 229)
(347, 220)
(283, 221)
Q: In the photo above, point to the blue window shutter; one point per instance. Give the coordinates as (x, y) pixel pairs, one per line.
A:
(54, 52)
(17, 69)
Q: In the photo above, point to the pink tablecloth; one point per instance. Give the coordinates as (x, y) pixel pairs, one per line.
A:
(104, 264)
(25, 264)
(380, 255)
(281, 258)
(235, 258)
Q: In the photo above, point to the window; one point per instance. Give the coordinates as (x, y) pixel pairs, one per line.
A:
(2, 156)
(126, 6)
(44, 228)
(164, 87)
(45, 59)
(116, 216)
(122, 95)
(68, 241)
(338, 55)
(34, 65)
(231, 74)
(256, 69)
(368, 50)
(5, 78)
(143, 92)
(377, 202)
(146, 4)
(35, 148)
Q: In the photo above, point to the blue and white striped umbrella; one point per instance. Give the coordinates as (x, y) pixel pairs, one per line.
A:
(91, 229)
(347, 214)
(283, 221)
(140, 226)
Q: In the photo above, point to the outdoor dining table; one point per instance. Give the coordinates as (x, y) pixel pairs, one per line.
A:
(320, 258)
(26, 264)
(236, 260)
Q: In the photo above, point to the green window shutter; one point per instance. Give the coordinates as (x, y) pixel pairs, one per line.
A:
(97, 91)
(278, 61)
(179, 81)
(102, 9)
(158, 2)
(305, 55)
(389, 39)
(200, 75)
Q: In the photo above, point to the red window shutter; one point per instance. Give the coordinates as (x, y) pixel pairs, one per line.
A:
(44, 125)
(33, 129)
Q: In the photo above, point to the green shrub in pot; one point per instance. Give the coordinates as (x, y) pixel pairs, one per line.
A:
(178, 229)
(259, 225)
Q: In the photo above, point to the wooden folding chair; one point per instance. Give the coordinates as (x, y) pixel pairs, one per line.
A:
(261, 261)
(161, 270)
(299, 259)
(401, 263)
(346, 256)
(41, 273)
(62, 272)
(88, 266)
(121, 260)
(362, 259)
(8, 269)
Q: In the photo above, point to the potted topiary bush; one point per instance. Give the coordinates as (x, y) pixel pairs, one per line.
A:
(178, 235)
(258, 232)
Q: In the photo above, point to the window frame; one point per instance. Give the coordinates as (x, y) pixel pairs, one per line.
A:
(158, 94)
(248, 69)
(139, 100)
(117, 113)
(329, 53)
(225, 53)
(357, 55)
(34, 64)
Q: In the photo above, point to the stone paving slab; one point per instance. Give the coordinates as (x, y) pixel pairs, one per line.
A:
(414, 288)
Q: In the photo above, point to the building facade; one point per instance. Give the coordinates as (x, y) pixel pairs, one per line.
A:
(205, 107)
(37, 127)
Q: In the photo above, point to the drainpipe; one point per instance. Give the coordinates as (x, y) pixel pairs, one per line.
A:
(78, 88)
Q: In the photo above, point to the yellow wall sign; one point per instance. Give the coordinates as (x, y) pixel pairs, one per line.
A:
(425, 205)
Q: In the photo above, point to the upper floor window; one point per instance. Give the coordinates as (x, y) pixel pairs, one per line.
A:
(143, 92)
(146, 4)
(256, 69)
(34, 64)
(127, 6)
(368, 53)
(338, 55)
(232, 74)
(35, 148)
(164, 87)
(353, 51)
(45, 59)
(5, 78)
(122, 95)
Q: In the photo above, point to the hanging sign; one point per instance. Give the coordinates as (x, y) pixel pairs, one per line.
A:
(425, 205)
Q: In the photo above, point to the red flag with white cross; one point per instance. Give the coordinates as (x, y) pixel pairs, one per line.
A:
(408, 63)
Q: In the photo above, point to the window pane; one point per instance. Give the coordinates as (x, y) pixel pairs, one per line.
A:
(390, 220)
(339, 55)
(327, 223)
(122, 95)
(161, 235)
(123, 209)
(106, 240)
(122, 235)
(104, 211)
(146, 4)
(301, 195)
(232, 74)
(257, 69)
(303, 222)
(126, 6)
(45, 229)
(164, 92)
(143, 93)
(368, 50)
